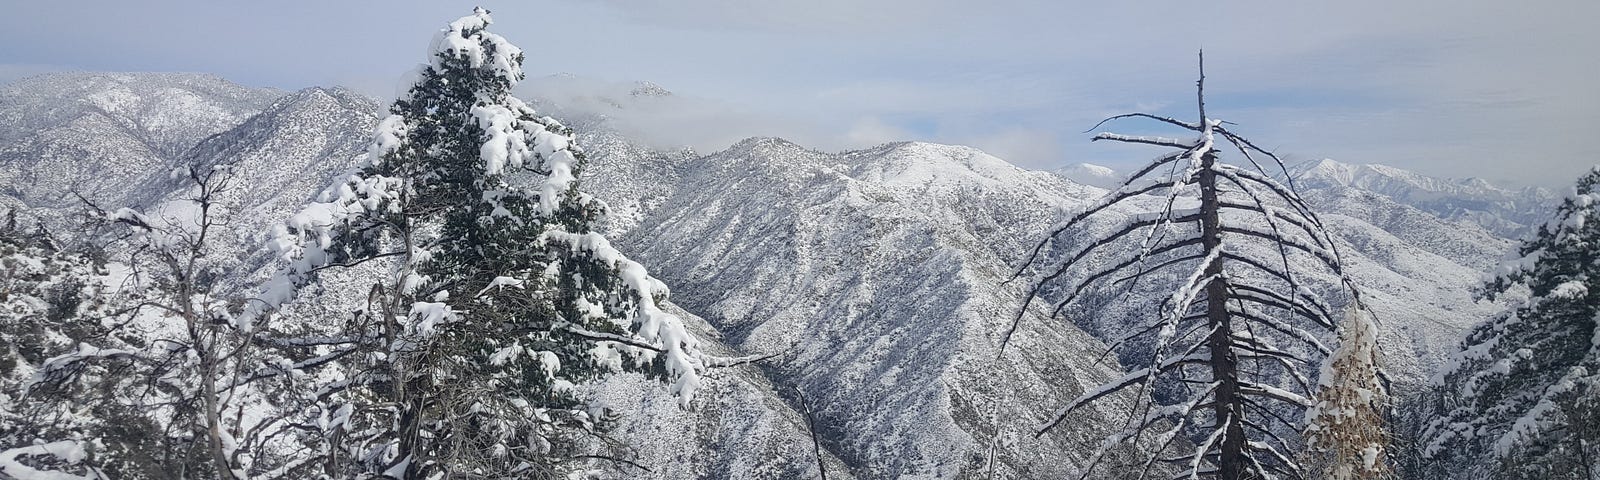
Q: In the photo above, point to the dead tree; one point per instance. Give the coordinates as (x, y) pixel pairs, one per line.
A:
(164, 374)
(1240, 332)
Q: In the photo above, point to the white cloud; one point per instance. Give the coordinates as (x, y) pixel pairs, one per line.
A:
(1446, 87)
(874, 131)
(672, 121)
(1024, 147)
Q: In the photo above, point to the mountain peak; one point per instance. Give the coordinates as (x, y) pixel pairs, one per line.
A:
(340, 96)
(766, 144)
(1090, 174)
(774, 156)
(646, 89)
(1330, 164)
(1330, 172)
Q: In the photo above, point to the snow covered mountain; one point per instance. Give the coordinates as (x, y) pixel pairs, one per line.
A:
(1505, 212)
(881, 276)
(100, 134)
(878, 277)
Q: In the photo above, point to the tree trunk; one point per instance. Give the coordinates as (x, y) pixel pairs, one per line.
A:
(408, 379)
(208, 390)
(214, 419)
(1224, 367)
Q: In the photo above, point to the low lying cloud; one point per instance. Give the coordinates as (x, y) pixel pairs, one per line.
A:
(665, 120)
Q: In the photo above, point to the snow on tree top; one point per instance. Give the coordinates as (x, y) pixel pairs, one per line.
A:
(466, 38)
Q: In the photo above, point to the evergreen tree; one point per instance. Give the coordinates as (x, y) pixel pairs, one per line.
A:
(497, 295)
(1346, 438)
(1519, 400)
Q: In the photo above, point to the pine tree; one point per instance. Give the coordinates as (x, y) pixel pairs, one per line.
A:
(1224, 362)
(1346, 438)
(1519, 400)
(498, 294)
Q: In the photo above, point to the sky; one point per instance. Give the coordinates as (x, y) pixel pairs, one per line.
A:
(1499, 90)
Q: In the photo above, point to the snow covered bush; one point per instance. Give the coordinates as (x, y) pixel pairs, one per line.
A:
(1346, 438)
(1520, 399)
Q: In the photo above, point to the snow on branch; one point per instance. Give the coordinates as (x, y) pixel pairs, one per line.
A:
(1147, 140)
(1090, 281)
(665, 331)
(1167, 120)
(1279, 214)
(1139, 222)
(1135, 377)
(466, 39)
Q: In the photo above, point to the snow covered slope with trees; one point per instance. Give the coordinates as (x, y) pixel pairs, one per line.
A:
(105, 135)
(283, 149)
(861, 262)
(876, 276)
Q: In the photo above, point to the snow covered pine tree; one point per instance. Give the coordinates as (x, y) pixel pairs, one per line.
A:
(1224, 363)
(499, 295)
(1522, 398)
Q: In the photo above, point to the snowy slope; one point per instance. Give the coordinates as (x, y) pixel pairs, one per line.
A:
(877, 276)
(880, 274)
(280, 159)
(741, 425)
(1418, 244)
(168, 111)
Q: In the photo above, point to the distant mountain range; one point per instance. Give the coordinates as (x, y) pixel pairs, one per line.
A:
(1506, 212)
(878, 276)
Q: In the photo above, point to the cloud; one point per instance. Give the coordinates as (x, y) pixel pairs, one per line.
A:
(660, 119)
(1490, 89)
(874, 131)
(1024, 147)
(826, 16)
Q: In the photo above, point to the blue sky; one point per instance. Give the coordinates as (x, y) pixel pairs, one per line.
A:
(1452, 88)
